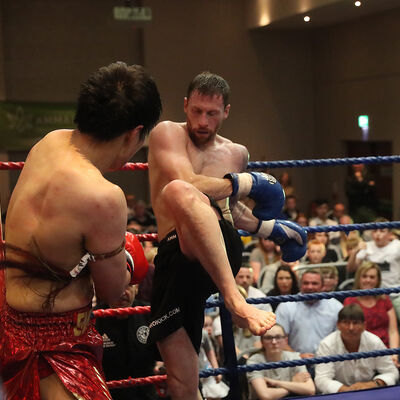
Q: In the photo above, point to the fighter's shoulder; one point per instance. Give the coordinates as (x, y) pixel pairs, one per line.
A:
(94, 194)
(237, 151)
(167, 129)
(234, 147)
(106, 204)
(50, 139)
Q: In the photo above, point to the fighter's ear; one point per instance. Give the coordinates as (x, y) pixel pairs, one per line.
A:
(226, 111)
(133, 134)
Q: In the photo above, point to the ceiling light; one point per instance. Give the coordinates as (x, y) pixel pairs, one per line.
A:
(307, 18)
(357, 3)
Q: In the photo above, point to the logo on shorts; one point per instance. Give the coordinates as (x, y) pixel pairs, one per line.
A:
(142, 334)
(270, 179)
(169, 238)
(170, 314)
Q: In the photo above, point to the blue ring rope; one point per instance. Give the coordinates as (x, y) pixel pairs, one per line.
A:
(324, 162)
(342, 228)
(304, 361)
(312, 296)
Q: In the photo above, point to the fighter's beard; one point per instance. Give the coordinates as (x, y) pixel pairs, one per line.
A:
(198, 139)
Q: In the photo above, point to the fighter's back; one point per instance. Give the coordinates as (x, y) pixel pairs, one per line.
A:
(50, 212)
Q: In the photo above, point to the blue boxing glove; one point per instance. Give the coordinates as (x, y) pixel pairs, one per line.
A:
(264, 189)
(292, 238)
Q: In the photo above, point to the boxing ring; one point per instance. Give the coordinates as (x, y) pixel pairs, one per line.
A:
(231, 369)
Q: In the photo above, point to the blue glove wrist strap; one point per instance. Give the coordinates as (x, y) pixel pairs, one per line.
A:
(234, 180)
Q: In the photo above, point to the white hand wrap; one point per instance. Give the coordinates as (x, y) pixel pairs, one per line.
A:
(245, 182)
(265, 229)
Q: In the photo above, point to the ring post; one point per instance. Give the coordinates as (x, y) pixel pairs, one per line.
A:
(230, 353)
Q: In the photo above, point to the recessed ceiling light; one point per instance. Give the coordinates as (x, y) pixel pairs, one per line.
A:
(357, 3)
(307, 18)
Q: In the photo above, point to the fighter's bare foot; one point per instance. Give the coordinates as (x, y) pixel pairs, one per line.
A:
(245, 315)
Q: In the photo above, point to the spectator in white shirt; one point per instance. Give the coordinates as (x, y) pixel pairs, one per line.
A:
(364, 373)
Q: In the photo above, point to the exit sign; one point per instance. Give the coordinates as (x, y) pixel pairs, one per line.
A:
(132, 13)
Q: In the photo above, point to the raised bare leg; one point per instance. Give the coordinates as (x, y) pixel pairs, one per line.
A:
(200, 238)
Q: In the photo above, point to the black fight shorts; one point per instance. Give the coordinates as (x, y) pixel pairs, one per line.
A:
(181, 287)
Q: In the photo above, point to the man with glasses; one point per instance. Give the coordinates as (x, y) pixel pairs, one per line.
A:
(281, 382)
(351, 337)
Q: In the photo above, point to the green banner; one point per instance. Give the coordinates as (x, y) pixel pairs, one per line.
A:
(23, 124)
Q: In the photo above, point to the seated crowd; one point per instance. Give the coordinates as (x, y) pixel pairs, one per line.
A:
(334, 261)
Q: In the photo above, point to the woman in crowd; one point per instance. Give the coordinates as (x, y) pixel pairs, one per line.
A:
(266, 253)
(281, 382)
(379, 313)
(301, 219)
(285, 282)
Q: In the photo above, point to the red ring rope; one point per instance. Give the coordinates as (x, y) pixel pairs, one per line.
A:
(117, 312)
(5, 165)
(125, 383)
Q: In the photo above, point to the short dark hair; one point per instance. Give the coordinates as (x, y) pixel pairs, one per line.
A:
(315, 271)
(321, 202)
(115, 99)
(209, 84)
(351, 312)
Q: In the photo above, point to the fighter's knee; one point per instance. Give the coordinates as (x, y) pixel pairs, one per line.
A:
(178, 191)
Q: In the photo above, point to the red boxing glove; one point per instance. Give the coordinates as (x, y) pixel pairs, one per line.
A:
(136, 262)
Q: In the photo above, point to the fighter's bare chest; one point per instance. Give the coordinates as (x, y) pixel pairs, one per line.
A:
(215, 161)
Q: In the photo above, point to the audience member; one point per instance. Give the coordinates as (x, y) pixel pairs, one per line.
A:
(130, 202)
(316, 252)
(379, 313)
(385, 252)
(301, 219)
(143, 217)
(125, 349)
(211, 387)
(332, 252)
(364, 373)
(290, 210)
(286, 182)
(285, 282)
(361, 195)
(281, 382)
(244, 278)
(267, 276)
(338, 211)
(321, 219)
(331, 278)
(208, 326)
(308, 322)
(348, 240)
(266, 253)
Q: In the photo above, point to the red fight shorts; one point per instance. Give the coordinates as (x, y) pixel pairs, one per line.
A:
(36, 345)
